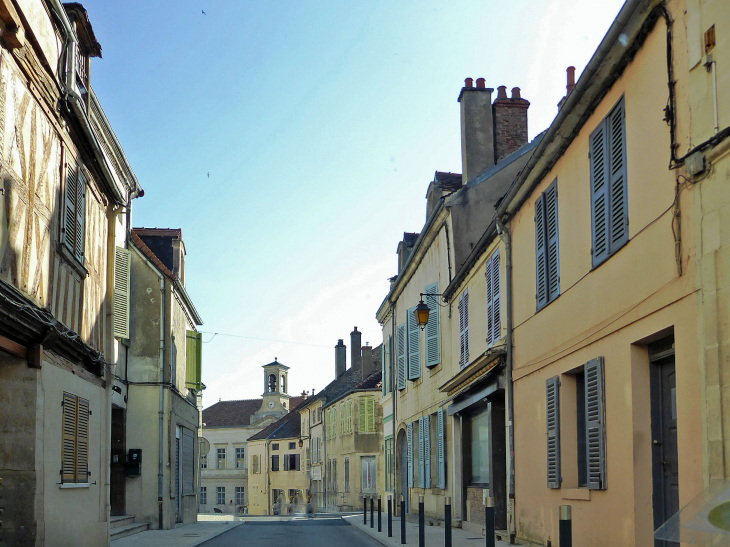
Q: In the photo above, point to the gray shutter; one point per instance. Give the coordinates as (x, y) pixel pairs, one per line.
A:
(401, 332)
(552, 237)
(80, 216)
(553, 432)
(409, 440)
(414, 345)
(188, 461)
(433, 338)
(120, 305)
(595, 424)
(441, 448)
(619, 213)
(464, 329)
(599, 194)
(540, 253)
(69, 221)
(286, 462)
(427, 450)
(421, 455)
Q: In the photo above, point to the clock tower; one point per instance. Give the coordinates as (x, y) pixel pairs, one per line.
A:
(276, 396)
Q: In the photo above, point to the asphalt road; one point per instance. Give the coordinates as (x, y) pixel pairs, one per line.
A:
(320, 532)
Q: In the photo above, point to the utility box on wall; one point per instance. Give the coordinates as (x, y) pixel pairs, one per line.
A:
(133, 465)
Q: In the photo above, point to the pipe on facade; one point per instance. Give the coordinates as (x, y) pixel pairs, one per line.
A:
(160, 464)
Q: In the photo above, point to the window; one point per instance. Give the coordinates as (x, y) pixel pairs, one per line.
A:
(334, 475)
(479, 424)
(424, 452)
(204, 461)
(494, 311)
(292, 462)
(414, 345)
(75, 439)
(292, 446)
(401, 358)
(389, 483)
(240, 458)
(366, 418)
(547, 255)
(368, 474)
(256, 464)
(193, 359)
(433, 338)
(464, 329)
(387, 364)
(220, 495)
(347, 474)
(239, 495)
(73, 227)
(609, 195)
(275, 462)
(120, 302)
(274, 446)
(221, 462)
(203, 495)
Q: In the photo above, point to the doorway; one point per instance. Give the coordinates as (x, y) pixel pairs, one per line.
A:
(117, 490)
(402, 472)
(665, 459)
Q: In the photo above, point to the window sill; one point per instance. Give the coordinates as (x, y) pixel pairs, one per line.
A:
(576, 494)
(72, 485)
(71, 259)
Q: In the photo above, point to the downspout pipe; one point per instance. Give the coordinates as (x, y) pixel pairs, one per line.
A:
(160, 463)
(507, 239)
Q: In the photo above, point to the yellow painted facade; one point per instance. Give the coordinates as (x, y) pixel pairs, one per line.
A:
(265, 482)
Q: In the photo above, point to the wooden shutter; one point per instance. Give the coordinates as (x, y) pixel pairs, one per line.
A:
(427, 450)
(421, 439)
(409, 440)
(433, 338)
(384, 367)
(193, 359)
(80, 216)
(362, 420)
(82, 441)
(69, 221)
(188, 461)
(552, 261)
(349, 416)
(553, 432)
(414, 345)
(464, 329)
(595, 424)
(68, 439)
(121, 292)
(541, 275)
(370, 401)
(401, 334)
(615, 131)
(343, 419)
(599, 194)
(441, 448)
(287, 461)
(494, 322)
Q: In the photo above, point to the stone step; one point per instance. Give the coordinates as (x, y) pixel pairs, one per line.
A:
(129, 529)
(121, 520)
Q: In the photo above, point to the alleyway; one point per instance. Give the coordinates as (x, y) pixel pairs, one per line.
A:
(303, 533)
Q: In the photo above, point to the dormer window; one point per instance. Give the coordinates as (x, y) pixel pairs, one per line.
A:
(82, 74)
(85, 47)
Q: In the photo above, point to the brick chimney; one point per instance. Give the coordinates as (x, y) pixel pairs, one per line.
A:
(510, 122)
(477, 132)
(355, 349)
(340, 359)
(569, 86)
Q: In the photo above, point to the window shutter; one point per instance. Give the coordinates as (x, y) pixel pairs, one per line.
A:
(414, 345)
(553, 254)
(349, 416)
(441, 450)
(464, 328)
(599, 194)
(188, 461)
(80, 216)
(401, 332)
(595, 424)
(286, 462)
(68, 454)
(371, 413)
(490, 306)
(334, 422)
(409, 440)
(494, 321)
(619, 229)
(121, 292)
(427, 450)
(541, 274)
(343, 419)
(421, 455)
(384, 367)
(69, 224)
(433, 338)
(298, 462)
(553, 432)
(82, 442)
(193, 359)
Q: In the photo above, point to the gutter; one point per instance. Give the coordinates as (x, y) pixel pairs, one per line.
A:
(188, 301)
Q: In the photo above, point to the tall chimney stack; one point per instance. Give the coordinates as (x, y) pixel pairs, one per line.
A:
(510, 122)
(340, 359)
(477, 133)
(368, 365)
(356, 349)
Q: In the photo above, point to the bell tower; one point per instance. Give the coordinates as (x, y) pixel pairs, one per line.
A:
(276, 391)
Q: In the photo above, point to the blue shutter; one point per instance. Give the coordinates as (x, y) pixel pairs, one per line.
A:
(414, 345)
(464, 329)
(595, 424)
(441, 448)
(599, 194)
(619, 212)
(553, 432)
(421, 455)
(433, 338)
(490, 308)
(401, 332)
(427, 451)
(540, 253)
(409, 439)
(552, 261)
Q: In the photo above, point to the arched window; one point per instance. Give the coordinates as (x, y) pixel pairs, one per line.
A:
(283, 384)
(272, 383)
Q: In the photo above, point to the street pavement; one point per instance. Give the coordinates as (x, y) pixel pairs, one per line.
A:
(319, 532)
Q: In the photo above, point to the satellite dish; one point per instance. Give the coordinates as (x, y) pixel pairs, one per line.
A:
(204, 445)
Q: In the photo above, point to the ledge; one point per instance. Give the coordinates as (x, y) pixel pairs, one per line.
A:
(576, 494)
(72, 485)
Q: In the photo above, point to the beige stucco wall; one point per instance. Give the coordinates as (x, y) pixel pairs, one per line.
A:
(262, 483)
(258, 501)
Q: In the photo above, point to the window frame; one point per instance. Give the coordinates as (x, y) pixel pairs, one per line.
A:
(203, 495)
(75, 427)
(369, 468)
(218, 458)
(220, 491)
(242, 458)
(239, 491)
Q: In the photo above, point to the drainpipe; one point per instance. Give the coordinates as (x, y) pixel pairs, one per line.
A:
(160, 464)
(505, 235)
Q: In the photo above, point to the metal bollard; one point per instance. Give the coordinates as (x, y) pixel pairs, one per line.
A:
(447, 522)
(372, 521)
(364, 509)
(421, 523)
(489, 521)
(380, 517)
(390, 516)
(402, 520)
(565, 526)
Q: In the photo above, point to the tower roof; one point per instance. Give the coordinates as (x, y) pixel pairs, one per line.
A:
(276, 363)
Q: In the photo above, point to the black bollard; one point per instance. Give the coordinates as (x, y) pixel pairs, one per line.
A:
(380, 517)
(421, 523)
(372, 520)
(447, 522)
(364, 509)
(402, 520)
(390, 516)
(565, 526)
(489, 521)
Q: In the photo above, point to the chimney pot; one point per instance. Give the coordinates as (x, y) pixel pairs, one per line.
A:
(481, 84)
(571, 79)
(516, 93)
(468, 82)
(502, 92)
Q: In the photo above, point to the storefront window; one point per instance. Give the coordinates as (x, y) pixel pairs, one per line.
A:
(480, 448)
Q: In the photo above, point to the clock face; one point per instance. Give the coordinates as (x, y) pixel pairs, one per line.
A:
(271, 404)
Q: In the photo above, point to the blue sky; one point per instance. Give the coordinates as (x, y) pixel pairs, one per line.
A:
(293, 143)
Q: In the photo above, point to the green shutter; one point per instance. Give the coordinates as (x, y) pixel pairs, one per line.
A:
(427, 450)
(401, 332)
(414, 345)
(595, 424)
(120, 303)
(362, 420)
(193, 359)
(553, 432)
(441, 449)
(409, 439)
(370, 401)
(433, 338)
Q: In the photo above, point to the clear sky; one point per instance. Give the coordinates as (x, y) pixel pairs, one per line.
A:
(293, 143)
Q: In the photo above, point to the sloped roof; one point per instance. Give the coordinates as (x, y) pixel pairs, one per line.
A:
(448, 181)
(237, 413)
(288, 427)
(371, 382)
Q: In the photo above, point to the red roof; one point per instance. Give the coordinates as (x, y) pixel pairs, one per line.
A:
(237, 413)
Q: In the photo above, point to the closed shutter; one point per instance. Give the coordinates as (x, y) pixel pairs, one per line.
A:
(595, 424)
(421, 463)
(82, 442)
(362, 415)
(287, 461)
(371, 413)
(427, 451)
(194, 358)
(553, 240)
(494, 322)
(599, 195)
(409, 440)
(349, 416)
(464, 329)
(401, 334)
(298, 462)
(617, 178)
(343, 419)
(541, 288)
(414, 345)
(188, 461)
(334, 422)
(553, 432)
(69, 224)
(385, 367)
(68, 439)
(80, 216)
(433, 338)
(441, 450)
(121, 292)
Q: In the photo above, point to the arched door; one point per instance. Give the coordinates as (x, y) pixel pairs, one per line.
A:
(401, 479)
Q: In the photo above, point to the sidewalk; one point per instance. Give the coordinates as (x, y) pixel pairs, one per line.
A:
(434, 534)
(185, 536)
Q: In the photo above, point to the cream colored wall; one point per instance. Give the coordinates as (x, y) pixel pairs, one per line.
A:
(287, 480)
(258, 503)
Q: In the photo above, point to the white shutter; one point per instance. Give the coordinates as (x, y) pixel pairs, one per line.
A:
(421, 455)
(414, 345)
(427, 450)
(409, 439)
(401, 335)
(121, 292)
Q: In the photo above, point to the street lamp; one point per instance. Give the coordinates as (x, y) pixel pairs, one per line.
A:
(422, 310)
(301, 442)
